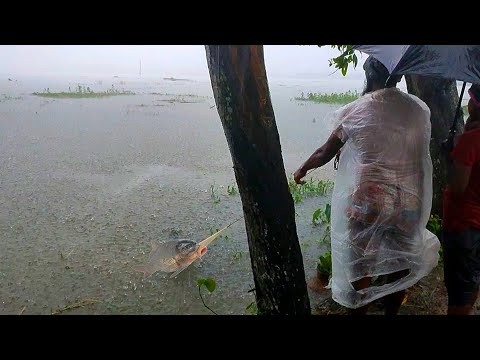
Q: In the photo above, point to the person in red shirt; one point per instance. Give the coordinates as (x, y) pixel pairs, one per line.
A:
(461, 215)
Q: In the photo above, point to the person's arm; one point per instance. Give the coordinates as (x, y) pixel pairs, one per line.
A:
(320, 157)
(458, 176)
(459, 164)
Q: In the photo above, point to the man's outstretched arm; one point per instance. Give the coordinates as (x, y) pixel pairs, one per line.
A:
(320, 157)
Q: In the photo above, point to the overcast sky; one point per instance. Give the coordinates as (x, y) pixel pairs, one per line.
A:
(157, 60)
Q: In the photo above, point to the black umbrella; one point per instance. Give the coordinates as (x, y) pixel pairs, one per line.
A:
(456, 62)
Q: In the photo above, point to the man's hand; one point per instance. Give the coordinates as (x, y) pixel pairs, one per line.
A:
(320, 157)
(299, 175)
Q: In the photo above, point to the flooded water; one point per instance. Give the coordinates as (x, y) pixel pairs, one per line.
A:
(87, 184)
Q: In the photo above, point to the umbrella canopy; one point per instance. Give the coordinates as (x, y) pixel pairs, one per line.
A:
(456, 62)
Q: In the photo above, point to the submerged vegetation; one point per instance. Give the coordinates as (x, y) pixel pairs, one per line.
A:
(5, 97)
(232, 190)
(252, 308)
(181, 98)
(324, 263)
(213, 194)
(176, 79)
(333, 98)
(310, 188)
(82, 92)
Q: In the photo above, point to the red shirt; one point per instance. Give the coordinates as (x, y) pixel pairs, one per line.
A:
(464, 212)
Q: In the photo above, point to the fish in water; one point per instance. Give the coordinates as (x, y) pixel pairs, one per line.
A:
(176, 255)
(171, 256)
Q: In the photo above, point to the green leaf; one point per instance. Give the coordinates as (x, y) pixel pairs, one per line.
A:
(328, 211)
(252, 308)
(210, 284)
(316, 215)
(325, 263)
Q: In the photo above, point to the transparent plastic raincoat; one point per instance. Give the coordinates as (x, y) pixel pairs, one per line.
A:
(382, 196)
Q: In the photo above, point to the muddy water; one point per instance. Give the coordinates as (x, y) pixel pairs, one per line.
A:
(87, 184)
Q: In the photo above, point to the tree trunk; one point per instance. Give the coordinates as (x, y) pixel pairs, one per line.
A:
(441, 96)
(242, 96)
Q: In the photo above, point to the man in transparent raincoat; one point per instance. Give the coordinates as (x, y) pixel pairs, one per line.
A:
(382, 196)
